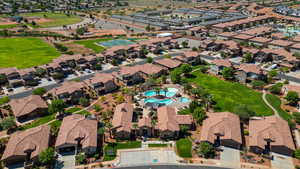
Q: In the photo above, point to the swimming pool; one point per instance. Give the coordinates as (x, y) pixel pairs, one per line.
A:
(158, 101)
(184, 100)
(170, 93)
(116, 42)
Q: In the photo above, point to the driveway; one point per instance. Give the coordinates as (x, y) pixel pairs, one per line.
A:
(281, 162)
(66, 161)
(230, 157)
(147, 157)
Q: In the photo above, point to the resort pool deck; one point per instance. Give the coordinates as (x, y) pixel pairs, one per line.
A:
(184, 100)
(170, 93)
(116, 42)
(158, 101)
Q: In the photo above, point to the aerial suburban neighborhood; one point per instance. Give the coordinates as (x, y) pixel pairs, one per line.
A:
(150, 84)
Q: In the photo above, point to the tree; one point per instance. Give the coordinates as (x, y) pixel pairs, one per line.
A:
(258, 84)
(149, 59)
(148, 28)
(175, 76)
(56, 106)
(84, 102)
(248, 58)
(184, 129)
(296, 116)
(39, 91)
(276, 88)
(297, 55)
(185, 44)
(228, 73)
(3, 79)
(8, 123)
(243, 112)
(81, 158)
(199, 115)
(186, 69)
(272, 74)
(4, 100)
(206, 150)
(297, 154)
(47, 156)
(40, 72)
(292, 97)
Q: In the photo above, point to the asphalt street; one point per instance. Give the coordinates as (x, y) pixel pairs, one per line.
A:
(173, 167)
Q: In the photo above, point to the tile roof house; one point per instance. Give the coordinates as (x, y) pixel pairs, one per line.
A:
(76, 130)
(270, 134)
(102, 83)
(145, 127)
(122, 121)
(249, 72)
(28, 107)
(219, 64)
(26, 144)
(129, 75)
(189, 57)
(222, 128)
(168, 63)
(168, 124)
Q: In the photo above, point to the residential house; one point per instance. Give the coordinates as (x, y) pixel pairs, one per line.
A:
(129, 75)
(169, 122)
(270, 134)
(223, 129)
(153, 70)
(189, 57)
(218, 65)
(69, 91)
(168, 63)
(249, 72)
(25, 146)
(77, 133)
(122, 121)
(145, 127)
(28, 107)
(13, 77)
(102, 83)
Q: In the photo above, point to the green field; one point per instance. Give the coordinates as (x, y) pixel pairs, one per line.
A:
(184, 148)
(276, 103)
(25, 52)
(113, 147)
(230, 94)
(91, 44)
(8, 26)
(157, 145)
(55, 19)
(38, 122)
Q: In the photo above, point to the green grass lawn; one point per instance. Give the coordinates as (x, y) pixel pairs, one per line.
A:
(113, 147)
(276, 103)
(229, 94)
(91, 44)
(38, 122)
(55, 19)
(8, 26)
(184, 148)
(75, 109)
(25, 52)
(157, 145)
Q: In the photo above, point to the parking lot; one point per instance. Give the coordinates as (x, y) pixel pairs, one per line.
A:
(147, 157)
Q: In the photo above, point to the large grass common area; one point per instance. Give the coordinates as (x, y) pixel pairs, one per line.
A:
(25, 52)
(228, 95)
(53, 19)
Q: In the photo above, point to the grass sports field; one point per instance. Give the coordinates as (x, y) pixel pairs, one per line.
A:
(54, 19)
(25, 52)
(91, 44)
(229, 94)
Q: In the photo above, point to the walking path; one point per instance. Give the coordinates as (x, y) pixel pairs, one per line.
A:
(266, 101)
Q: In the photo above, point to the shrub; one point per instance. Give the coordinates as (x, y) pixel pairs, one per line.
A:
(39, 91)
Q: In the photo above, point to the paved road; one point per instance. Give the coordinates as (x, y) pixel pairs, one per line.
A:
(172, 167)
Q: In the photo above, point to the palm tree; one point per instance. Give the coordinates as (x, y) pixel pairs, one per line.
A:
(207, 99)
(165, 91)
(101, 132)
(135, 127)
(157, 90)
(109, 126)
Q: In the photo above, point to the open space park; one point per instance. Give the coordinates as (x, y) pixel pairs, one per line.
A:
(229, 94)
(91, 44)
(53, 19)
(25, 52)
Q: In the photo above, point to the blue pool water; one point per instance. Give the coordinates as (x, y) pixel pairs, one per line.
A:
(158, 101)
(184, 100)
(116, 42)
(170, 93)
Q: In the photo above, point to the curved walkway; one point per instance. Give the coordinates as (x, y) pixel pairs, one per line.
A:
(266, 101)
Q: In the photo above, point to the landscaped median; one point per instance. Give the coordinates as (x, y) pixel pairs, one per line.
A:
(110, 150)
(184, 148)
(157, 145)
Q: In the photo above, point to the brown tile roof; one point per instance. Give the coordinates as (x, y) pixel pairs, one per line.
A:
(8, 70)
(243, 36)
(296, 45)
(227, 34)
(77, 126)
(27, 105)
(250, 68)
(150, 69)
(229, 43)
(273, 128)
(225, 124)
(190, 54)
(290, 87)
(100, 78)
(67, 87)
(241, 21)
(296, 38)
(250, 50)
(145, 122)
(169, 120)
(222, 62)
(258, 31)
(283, 43)
(169, 63)
(281, 52)
(35, 139)
(122, 119)
(260, 40)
